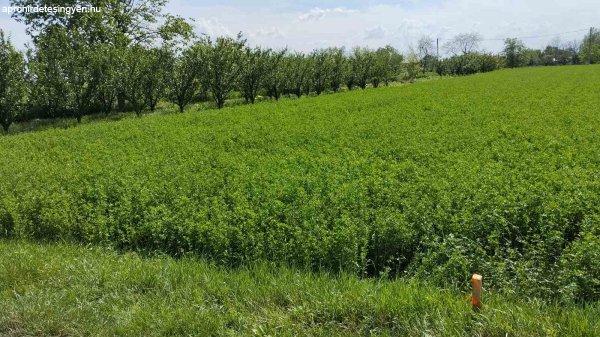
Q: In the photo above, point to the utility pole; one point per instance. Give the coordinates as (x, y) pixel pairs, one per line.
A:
(437, 46)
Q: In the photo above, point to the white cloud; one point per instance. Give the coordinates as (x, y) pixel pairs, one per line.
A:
(319, 13)
(377, 32)
(212, 27)
(270, 32)
(285, 23)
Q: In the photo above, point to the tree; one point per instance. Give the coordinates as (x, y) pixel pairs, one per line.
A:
(395, 60)
(307, 84)
(80, 80)
(386, 65)
(221, 66)
(425, 47)
(104, 71)
(427, 53)
(558, 53)
(337, 64)
(463, 43)
(297, 69)
(275, 79)
(50, 92)
(362, 61)
(573, 51)
(412, 67)
(321, 70)
(254, 65)
(513, 51)
(349, 75)
(12, 82)
(182, 82)
(590, 47)
(380, 67)
(63, 78)
(157, 64)
(532, 57)
(117, 21)
(136, 67)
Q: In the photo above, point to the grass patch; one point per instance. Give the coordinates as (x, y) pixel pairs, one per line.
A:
(66, 290)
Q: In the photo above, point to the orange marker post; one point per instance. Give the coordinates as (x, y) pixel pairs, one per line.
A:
(476, 282)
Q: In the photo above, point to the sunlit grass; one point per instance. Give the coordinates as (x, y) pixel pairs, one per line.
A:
(65, 290)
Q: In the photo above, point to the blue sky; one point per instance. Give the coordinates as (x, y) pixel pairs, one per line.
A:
(305, 25)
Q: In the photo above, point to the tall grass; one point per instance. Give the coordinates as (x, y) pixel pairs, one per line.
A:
(64, 290)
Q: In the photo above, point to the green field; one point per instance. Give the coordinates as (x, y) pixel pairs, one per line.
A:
(495, 173)
(63, 290)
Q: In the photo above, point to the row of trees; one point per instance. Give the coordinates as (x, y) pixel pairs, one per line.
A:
(66, 77)
(129, 56)
(465, 57)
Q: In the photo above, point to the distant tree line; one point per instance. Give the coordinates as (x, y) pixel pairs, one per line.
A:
(556, 53)
(465, 57)
(130, 56)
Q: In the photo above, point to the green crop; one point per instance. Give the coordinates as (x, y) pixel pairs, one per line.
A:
(496, 173)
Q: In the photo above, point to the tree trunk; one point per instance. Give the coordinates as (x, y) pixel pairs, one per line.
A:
(220, 102)
(121, 102)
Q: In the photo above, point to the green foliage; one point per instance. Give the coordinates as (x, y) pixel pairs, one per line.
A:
(12, 82)
(412, 68)
(321, 66)
(556, 55)
(387, 63)
(135, 77)
(219, 65)
(298, 69)
(362, 63)
(183, 82)
(254, 66)
(590, 47)
(157, 70)
(495, 173)
(581, 262)
(467, 64)
(275, 77)
(117, 22)
(81, 63)
(513, 51)
(51, 290)
(349, 75)
(104, 64)
(51, 91)
(337, 68)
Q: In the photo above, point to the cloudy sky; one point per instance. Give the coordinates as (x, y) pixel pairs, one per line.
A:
(305, 25)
